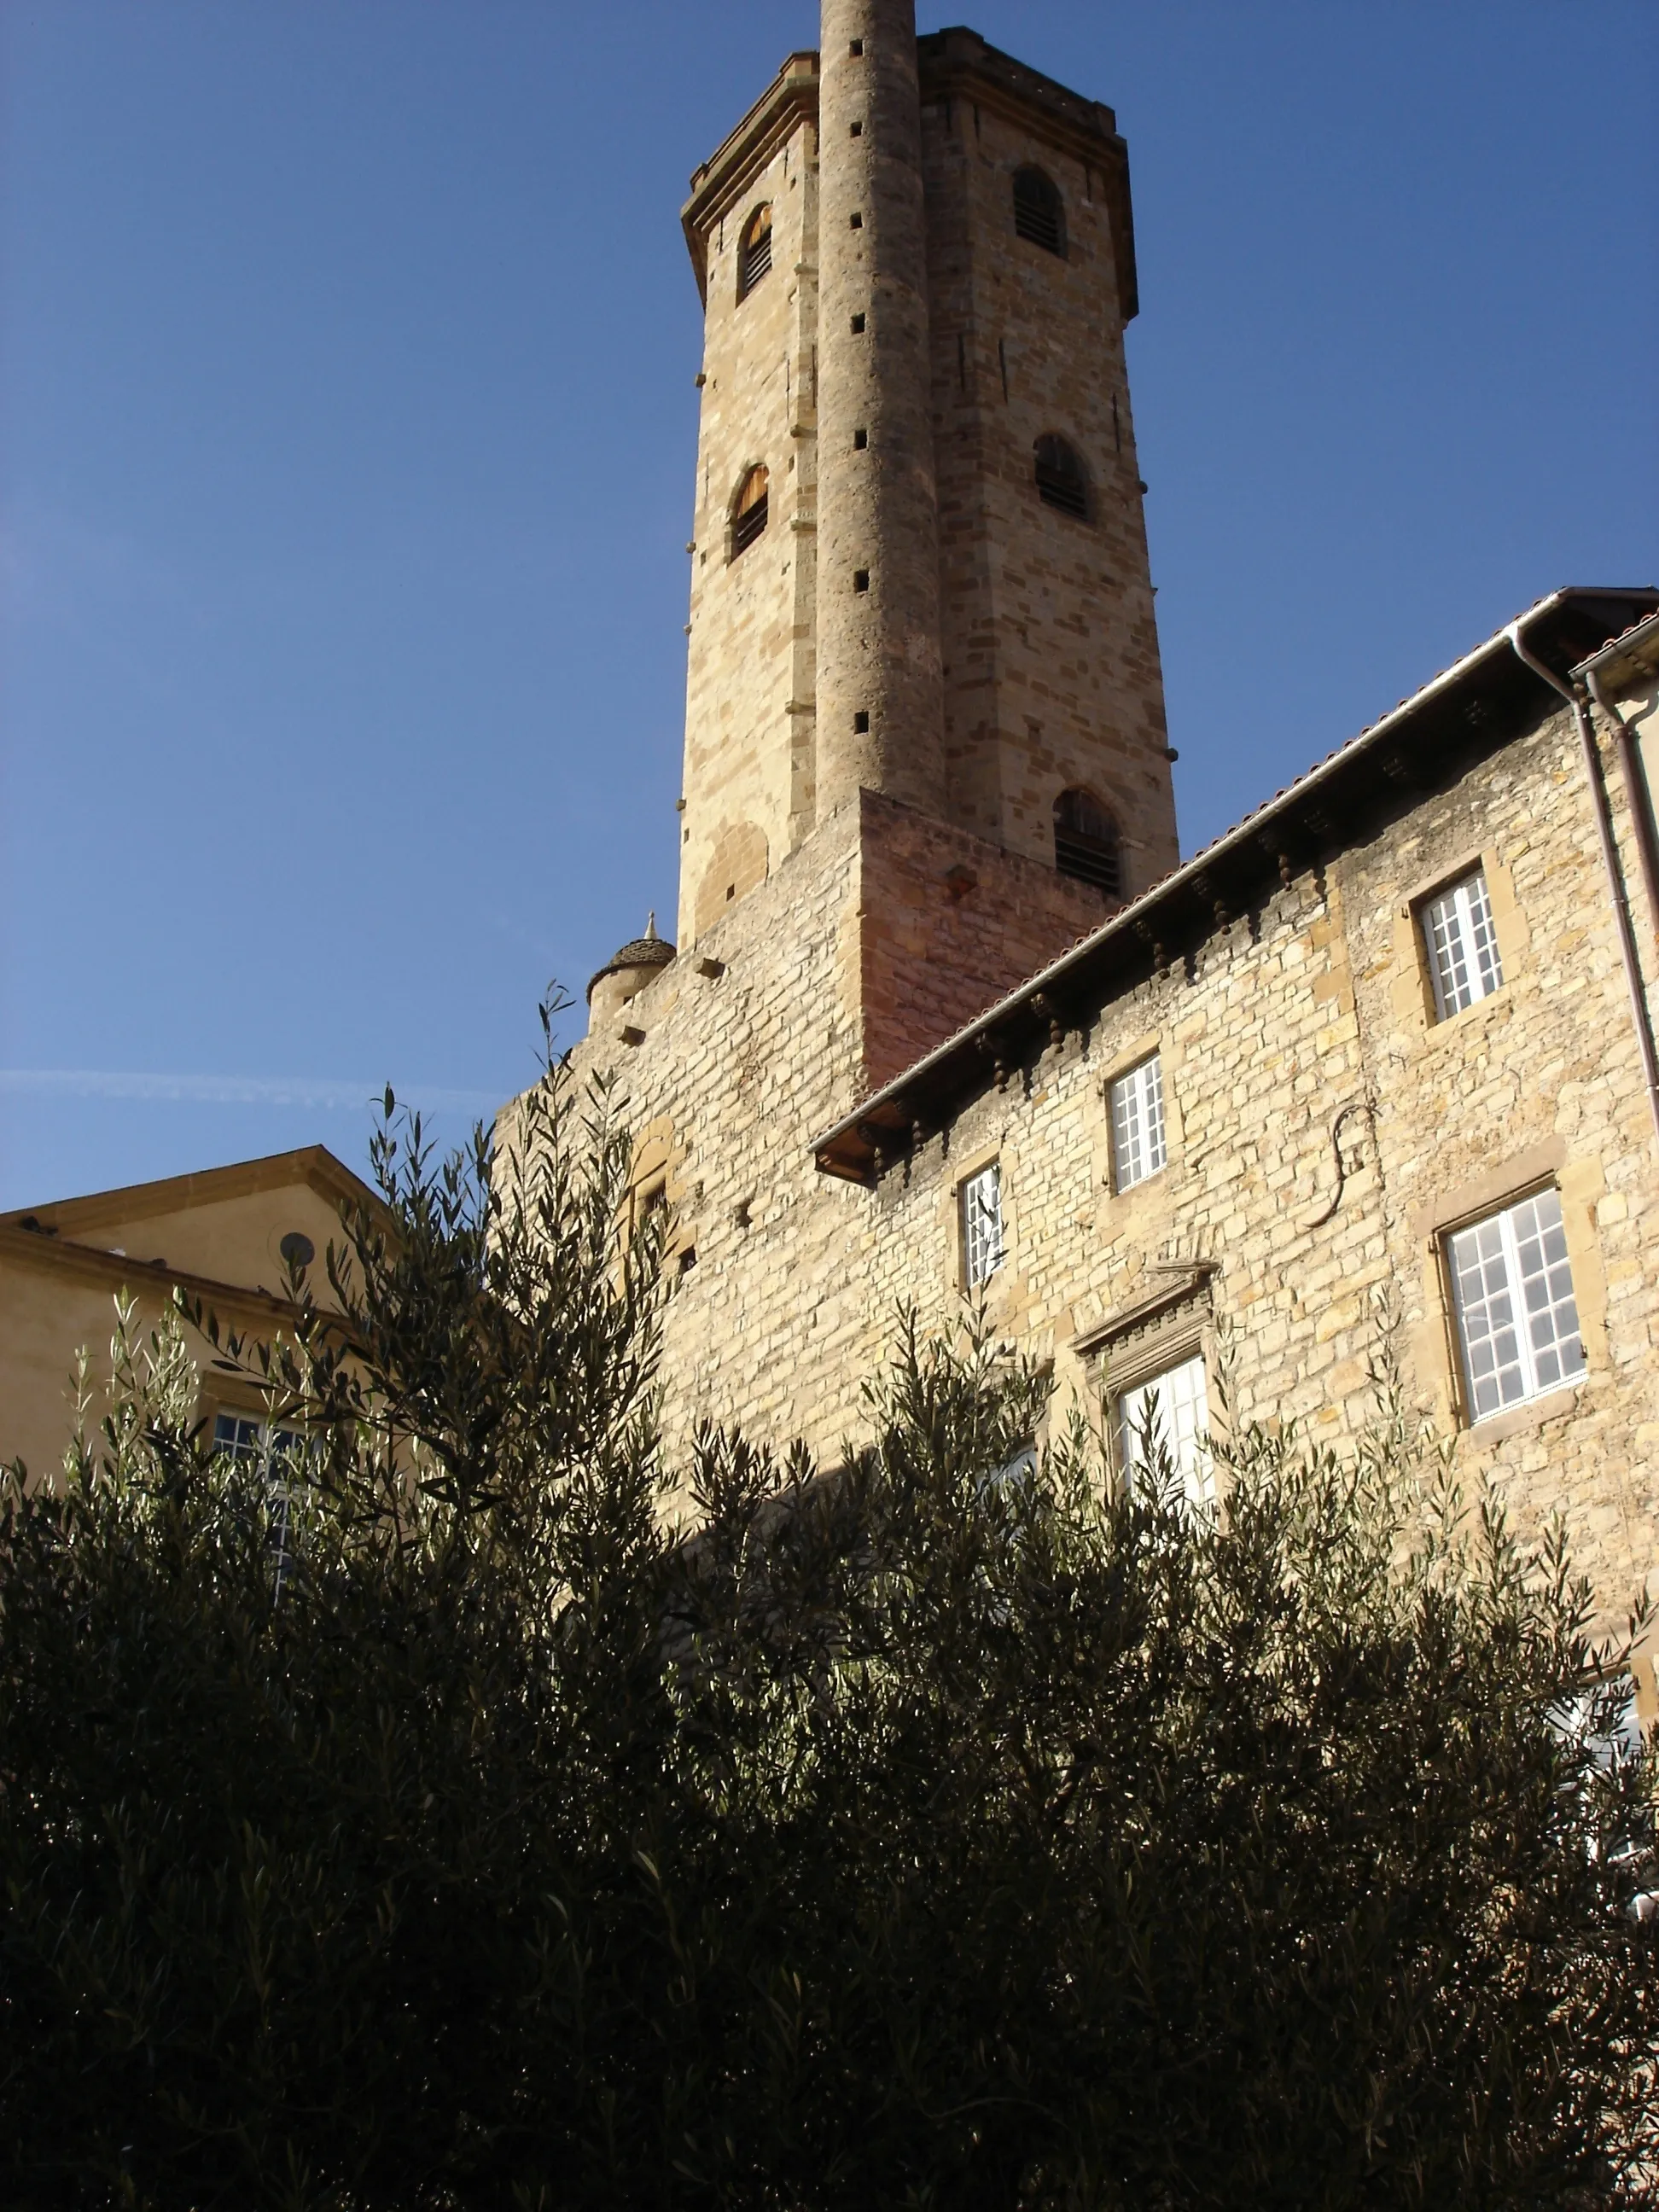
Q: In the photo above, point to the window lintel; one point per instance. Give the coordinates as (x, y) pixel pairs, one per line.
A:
(1417, 896)
(1190, 1286)
(1520, 1175)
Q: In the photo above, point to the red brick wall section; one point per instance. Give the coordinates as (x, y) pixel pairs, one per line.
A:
(948, 924)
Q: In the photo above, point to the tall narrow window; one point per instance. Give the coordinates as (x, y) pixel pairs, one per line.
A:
(748, 511)
(1062, 480)
(1086, 843)
(1161, 1426)
(982, 1225)
(1137, 1143)
(1518, 1321)
(273, 1457)
(754, 251)
(1038, 214)
(1461, 944)
(651, 1210)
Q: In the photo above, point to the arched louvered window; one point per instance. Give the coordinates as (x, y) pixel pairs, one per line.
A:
(1061, 479)
(754, 251)
(1038, 214)
(748, 511)
(1086, 843)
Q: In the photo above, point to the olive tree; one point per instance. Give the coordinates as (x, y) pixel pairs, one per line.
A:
(435, 1818)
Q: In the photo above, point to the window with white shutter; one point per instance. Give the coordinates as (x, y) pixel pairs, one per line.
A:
(982, 1225)
(1517, 1322)
(1138, 1141)
(1163, 1423)
(1461, 944)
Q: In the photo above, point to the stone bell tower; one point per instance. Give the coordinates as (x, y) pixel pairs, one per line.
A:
(919, 582)
(924, 747)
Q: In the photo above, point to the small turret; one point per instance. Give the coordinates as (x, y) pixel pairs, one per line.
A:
(626, 973)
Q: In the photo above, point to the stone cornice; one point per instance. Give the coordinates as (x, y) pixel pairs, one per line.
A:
(721, 181)
(1190, 1283)
(953, 64)
(958, 65)
(85, 1263)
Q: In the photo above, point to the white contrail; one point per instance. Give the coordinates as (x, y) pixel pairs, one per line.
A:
(320, 1092)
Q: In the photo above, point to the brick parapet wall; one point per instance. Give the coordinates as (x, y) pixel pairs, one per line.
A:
(949, 923)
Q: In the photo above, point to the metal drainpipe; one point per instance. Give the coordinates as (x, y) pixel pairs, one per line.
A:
(1636, 792)
(1610, 863)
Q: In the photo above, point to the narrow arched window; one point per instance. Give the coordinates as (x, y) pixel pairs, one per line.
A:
(1061, 479)
(1086, 843)
(1038, 214)
(754, 251)
(748, 511)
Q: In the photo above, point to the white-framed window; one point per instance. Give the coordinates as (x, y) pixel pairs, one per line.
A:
(246, 1437)
(1169, 1415)
(1137, 1144)
(1461, 944)
(1517, 1323)
(273, 1457)
(982, 1225)
(1613, 1706)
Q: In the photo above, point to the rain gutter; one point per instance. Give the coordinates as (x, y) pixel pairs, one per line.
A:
(1578, 700)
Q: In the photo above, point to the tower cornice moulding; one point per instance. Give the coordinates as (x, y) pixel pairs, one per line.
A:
(958, 65)
(719, 184)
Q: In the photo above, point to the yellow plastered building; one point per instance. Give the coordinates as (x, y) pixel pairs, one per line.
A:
(223, 1237)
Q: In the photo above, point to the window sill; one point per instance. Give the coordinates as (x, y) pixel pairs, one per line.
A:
(1530, 1413)
(1495, 1003)
(1127, 1193)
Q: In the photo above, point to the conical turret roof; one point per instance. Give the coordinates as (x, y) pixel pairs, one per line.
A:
(647, 952)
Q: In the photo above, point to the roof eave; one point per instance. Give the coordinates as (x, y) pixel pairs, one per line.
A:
(854, 1149)
(44, 1250)
(310, 1165)
(1637, 647)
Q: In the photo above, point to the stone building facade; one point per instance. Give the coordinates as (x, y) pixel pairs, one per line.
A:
(947, 1016)
(1338, 1138)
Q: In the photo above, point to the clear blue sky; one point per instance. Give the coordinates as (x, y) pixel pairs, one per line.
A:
(346, 436)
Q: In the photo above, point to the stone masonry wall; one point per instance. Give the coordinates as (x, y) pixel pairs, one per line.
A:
(1317, 1006)
(748, 775)
(881, 703)
(1324, 1132)
(855, 936)
(1311, 1010)
(906, 546)
(736, 1071)
(1053, 677)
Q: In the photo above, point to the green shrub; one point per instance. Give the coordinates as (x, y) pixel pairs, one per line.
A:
(943, 1828)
